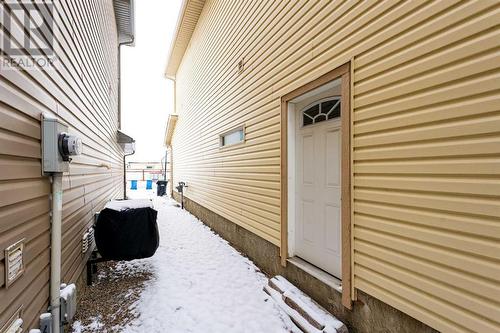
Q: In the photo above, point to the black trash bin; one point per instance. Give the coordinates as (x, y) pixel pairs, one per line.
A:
(161, 187)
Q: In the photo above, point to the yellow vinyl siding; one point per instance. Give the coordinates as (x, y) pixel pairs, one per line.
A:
(427, 170)
(83, 92)
(426, 137)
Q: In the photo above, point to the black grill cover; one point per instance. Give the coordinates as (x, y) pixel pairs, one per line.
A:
(128, 234)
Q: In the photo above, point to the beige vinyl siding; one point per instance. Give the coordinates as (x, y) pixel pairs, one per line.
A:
(191, 11)
(83, 92)
(427, 170)
(426, 137)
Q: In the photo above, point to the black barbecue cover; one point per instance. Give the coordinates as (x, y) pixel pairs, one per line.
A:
(128, 234)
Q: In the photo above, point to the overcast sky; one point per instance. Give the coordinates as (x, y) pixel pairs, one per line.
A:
(147, 96)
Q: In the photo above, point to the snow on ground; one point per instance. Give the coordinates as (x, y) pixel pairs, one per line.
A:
(94, 326)
(200, 283)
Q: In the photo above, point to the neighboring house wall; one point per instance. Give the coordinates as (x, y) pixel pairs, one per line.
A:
(426, 126)
(83, 92)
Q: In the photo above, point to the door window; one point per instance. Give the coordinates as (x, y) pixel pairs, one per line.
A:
(320, 111)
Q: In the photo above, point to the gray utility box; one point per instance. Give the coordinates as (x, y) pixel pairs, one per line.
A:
(52, 160)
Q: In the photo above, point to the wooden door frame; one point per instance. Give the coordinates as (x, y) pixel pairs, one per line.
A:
(343, 72)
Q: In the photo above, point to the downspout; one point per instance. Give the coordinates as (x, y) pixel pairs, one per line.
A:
(165, 171)
(124, 179)
(171, 149)
(125, 175)
(120, 116)
(119, 74)
(55, 252)
(131, 41)
(171, 172)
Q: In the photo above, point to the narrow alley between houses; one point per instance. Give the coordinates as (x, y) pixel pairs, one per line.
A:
(196, 282)
(260, 166)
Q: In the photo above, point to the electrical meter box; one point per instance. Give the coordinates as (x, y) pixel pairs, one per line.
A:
(52, 160)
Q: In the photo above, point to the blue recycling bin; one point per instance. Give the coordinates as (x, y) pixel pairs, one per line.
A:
(149, 184)
(133, 184)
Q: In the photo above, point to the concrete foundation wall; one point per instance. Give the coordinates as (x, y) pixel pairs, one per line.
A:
(368, 313)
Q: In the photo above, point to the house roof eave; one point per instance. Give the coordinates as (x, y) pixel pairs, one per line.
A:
(186, 23)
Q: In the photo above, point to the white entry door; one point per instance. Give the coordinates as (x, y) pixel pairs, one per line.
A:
(318, 193)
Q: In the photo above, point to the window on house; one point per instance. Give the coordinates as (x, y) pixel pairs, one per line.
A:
(232, 137)
(321, 111)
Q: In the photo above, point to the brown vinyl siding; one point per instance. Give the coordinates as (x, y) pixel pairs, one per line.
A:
(83, 92)
(425, 137)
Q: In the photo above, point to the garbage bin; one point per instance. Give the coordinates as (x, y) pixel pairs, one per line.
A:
(133, 184)
(161, 187)
(149, 184)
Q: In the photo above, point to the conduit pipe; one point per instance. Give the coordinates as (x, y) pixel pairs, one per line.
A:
(57, 147)
(55, 252)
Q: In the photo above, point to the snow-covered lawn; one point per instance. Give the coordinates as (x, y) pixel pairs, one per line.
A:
(200, 283)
